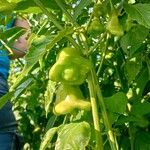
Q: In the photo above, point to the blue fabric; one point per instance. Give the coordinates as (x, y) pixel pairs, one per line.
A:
(8, 124)
(4, 64)
(7, 118)
(4, 59)
(6, 141)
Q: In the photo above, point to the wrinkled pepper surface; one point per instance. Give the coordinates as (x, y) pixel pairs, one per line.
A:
(68, 99)
(70, 67)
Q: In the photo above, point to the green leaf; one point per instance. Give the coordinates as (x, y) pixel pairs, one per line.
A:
(59, 36)
(78, 9)
(50, 122)
(5, 98)
(47, 138)
(23, 86)
(133, 66)
(136, 120)
(11, 34)
(116, 103)
(73, 136)
(6, 7)
(49, 95)
(142, 141)
(141, 109)
(140, 13)
(27, 6)
(140, 84)
(131, 41)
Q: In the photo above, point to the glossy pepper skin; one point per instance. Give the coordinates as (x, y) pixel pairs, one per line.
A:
(70, 68)
(68, 99)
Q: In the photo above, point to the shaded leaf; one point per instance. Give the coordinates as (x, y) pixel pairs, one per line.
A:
(142, 141)
(136, 120)
(140, 84)
(131, 41)
(141, 109)
(116, 103)
(133, 66)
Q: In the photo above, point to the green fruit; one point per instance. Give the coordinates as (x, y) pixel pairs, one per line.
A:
(70, 67)
(95, 28)
(68, 99)
(97, 10)
(113, 25)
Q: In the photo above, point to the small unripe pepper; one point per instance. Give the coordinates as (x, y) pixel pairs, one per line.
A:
(70, 67)
(96, 27)
(68, 99)
(113, 25)
(98, 10)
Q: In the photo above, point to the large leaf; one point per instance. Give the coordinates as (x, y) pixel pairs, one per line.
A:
(133, 66)
(47, 138)
(142, 141)
(141, 109)
(73, 136)
(116, 103)
(137, 120)
(131, 41)
(6, 7)
(27, 6)
(140, 84)
(140, 13)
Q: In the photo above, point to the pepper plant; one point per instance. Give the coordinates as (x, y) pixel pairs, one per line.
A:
(85, 81)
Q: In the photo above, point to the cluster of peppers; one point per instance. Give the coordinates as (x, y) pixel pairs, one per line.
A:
(71, 71)
(112, 25)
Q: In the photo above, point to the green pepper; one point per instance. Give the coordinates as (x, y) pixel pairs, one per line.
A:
(68, 99)
(96, 27)
(70, 67)
(113, 25)
(98, 10)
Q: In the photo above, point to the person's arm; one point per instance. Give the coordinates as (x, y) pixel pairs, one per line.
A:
(21, 44)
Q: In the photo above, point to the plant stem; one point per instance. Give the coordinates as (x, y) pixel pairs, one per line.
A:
(7, 47)
(111, 5)
(99, 142)
(97, 43)
(131, 134)
(48, 13)
(103, 57)
(53, 19)
(61, 5)
(111, 136)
